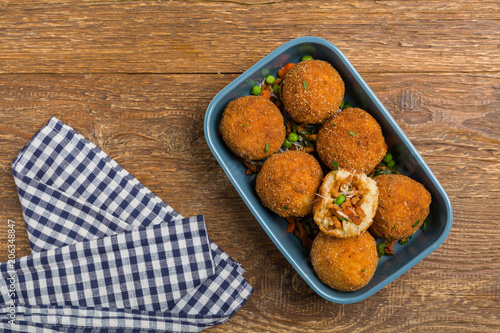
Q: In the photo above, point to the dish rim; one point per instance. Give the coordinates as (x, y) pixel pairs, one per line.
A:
(346, 299)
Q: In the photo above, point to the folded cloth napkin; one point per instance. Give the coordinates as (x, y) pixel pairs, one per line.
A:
(107, 254)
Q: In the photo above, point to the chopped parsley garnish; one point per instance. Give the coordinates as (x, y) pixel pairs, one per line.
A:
(343, 219)
(300, 135)
(308, 228)
(334, 125)
(352, 133)
(416, 223)
(381, 249)
(312, 128)
(304, 140)
(244, 125)
(404, 241)
(267, 148)
(285, 207)
(305, 84)
(335, 165)
(425, 223)
(344, 105)
(363, 270)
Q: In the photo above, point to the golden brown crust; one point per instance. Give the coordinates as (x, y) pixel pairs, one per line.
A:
(252, 127)
(403, 206)
(353, 139)
(344, 264)
(317, 99)
(288, 181)
(329, 217)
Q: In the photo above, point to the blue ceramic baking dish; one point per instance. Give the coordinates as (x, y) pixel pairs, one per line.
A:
(357, 94)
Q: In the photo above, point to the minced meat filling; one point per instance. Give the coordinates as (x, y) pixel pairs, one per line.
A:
(348, 196)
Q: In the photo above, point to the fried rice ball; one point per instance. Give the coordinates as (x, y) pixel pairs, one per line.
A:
(344, 264)
(354, 213)
(252, 127)
(351, 140)
(288, 181)
(402, 208)
(312, 91)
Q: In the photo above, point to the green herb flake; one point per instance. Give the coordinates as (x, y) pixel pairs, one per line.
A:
(343, 219)
(294, 127)
(308, 228)
(416, 223)
(244, 125)
(404, 241)
(267, 148)
(305, 84)
(425, 223)
(381, 249)
(352, 133)
(344, 105)
(304, 140)
(285, 207)
(364, 269)
(312, 128)
(334, 125)
(335, 165)
(394, 227)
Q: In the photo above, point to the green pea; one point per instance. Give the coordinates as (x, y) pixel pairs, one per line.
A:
(391, 164)
(287, 144)
(270, 79)
(339, 200)
(306, 57)
(388, 157)
(276, 90)
(292, 137)
(256, 90)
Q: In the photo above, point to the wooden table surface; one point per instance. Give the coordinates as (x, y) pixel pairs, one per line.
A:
(136, 78)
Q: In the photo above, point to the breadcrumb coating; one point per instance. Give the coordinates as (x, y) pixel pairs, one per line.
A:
(312, 91)
(288, 181)
(402, 208)
(353, 139)
(252, 127)
(344, 264)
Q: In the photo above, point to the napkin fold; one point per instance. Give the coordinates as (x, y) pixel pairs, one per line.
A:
(107, 254)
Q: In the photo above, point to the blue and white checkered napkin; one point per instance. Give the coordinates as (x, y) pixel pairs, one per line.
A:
(107, 254)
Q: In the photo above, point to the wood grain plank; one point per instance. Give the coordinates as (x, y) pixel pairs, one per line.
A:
(373, 6)
(180, 37)
(153, 126)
